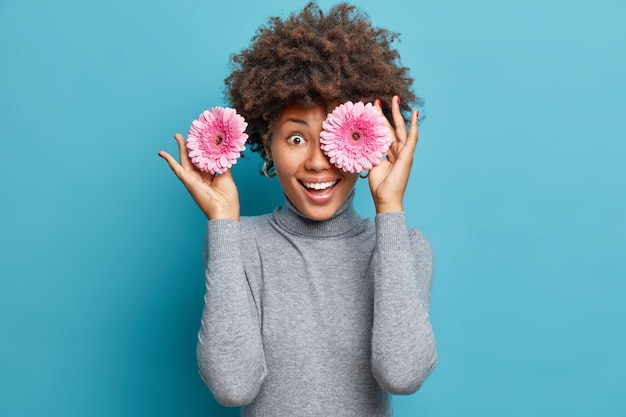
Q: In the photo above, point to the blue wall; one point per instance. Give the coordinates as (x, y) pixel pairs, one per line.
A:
(519, 181)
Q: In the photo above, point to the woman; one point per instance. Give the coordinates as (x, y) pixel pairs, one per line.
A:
(313, 309)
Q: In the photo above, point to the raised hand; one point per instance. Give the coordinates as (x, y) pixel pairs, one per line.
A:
(388, 179)
(216, 195)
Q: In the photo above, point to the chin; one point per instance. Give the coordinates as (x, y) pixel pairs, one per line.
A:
(320, 215)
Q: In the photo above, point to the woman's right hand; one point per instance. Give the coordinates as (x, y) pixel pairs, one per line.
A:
(216, 195)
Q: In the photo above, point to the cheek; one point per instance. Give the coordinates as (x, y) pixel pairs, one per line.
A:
(286, 169)
(286, 161)
(352, 178)
(281, 164)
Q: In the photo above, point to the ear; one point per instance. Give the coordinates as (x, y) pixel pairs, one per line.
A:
(267, 147)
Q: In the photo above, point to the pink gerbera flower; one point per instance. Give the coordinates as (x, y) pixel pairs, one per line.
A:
(356, 136)
(216, 139)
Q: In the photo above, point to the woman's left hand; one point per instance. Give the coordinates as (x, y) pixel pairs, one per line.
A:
(388, 179)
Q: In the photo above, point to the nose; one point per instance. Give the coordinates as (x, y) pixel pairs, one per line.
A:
(317, 159)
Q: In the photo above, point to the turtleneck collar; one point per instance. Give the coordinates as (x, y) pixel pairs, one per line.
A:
(345, 223)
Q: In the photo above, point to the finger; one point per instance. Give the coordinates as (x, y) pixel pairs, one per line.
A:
(398, 120)
(227, 174)
(378, 104)
(409, 148)
(182, 150)
(172, 162)
(413, 132)
(222, 176)
(190, 179)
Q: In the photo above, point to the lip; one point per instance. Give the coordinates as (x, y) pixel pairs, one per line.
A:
(319, 196)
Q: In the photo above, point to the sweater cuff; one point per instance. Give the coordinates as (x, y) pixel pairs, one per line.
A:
(391, 231)
(223, 240)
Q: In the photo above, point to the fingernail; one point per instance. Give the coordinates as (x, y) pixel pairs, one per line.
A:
(379, 103)
(398, 99)
(417, 113)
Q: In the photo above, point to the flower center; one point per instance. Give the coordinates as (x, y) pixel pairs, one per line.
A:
(356, 135)
(219, 139)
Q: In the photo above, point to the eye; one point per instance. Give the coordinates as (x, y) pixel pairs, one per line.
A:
(295, 139)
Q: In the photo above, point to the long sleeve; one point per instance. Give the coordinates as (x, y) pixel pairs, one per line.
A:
(230, 350)
(403, 344)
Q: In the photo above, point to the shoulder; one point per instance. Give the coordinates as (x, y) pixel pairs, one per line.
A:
(255, 230)
(253, 224)
(395, 224)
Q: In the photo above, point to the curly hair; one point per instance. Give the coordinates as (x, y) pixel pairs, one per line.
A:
(312, 58)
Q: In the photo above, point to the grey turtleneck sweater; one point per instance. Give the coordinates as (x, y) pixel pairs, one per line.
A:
(308, 318)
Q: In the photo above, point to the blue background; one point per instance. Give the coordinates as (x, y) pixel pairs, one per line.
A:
(519, 181)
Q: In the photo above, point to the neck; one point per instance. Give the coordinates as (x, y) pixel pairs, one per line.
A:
(345, 222)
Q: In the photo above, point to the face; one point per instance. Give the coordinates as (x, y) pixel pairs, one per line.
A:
(316, 187)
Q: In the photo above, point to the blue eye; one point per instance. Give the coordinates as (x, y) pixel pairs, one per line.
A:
(295, 139)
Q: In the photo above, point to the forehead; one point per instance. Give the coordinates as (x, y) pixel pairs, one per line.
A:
(298, 114)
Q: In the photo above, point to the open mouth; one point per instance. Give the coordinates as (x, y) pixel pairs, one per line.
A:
(317, 186)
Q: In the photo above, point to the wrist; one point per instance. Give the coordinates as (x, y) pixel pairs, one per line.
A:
(222, 214)
(388, 208)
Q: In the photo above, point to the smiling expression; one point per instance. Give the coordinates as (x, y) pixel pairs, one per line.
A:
(315, 186)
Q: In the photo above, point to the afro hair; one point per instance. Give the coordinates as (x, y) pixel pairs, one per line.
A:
(311, 58)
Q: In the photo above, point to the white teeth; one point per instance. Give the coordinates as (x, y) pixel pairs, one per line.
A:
(319, 185)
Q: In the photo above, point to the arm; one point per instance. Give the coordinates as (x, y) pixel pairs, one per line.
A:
(230, 353)
(403, 344)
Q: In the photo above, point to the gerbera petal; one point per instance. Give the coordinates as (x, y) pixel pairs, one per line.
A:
(355, 136)
(216, 139)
